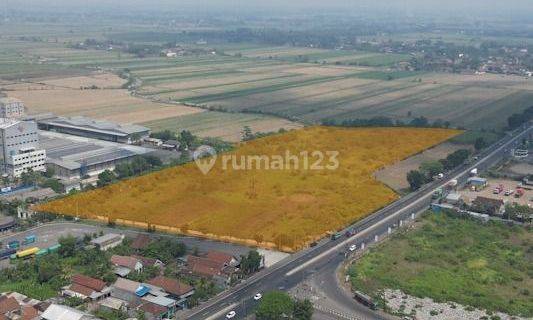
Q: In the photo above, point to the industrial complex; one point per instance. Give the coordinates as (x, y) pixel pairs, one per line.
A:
(74, 157)
(96, 129)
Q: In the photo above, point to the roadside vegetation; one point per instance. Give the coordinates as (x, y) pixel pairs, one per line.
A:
(452, 259)
(279, 305)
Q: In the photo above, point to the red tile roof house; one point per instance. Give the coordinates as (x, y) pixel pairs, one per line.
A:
(217, 266)
(11, 309)
(153, 311)
(86, 288)
(176, 289)
(125, 265)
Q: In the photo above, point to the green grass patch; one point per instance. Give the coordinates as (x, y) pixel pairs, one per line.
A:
(470, 137)
(31, 289)
(384, 75)
(487, 266)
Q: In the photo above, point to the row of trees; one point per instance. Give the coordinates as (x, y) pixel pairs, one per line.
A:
(382, 121)
(429, 169)
(518, 119)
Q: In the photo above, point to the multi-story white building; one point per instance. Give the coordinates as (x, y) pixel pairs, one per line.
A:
(19, 147)
(11, 108)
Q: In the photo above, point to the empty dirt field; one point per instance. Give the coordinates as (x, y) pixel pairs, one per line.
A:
(395, 175)
(65, 97)
(284, 206)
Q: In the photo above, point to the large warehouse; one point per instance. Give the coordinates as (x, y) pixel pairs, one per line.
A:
(96, 129)
(73, 157)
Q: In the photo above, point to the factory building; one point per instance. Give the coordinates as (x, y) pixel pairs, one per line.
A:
(95, 129)
(73, 158)
(19, 147)
(11, 108)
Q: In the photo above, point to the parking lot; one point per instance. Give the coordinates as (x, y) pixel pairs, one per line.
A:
(526, 199)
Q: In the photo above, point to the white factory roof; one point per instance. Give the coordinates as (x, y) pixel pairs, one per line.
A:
(88, 124)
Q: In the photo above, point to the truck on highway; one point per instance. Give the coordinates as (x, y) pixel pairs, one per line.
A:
(365, 300)
(336, 236)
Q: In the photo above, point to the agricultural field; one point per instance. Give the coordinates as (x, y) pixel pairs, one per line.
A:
(284, 209)
(296, 85)
(224, 125)
(68, 97)
(455, 261)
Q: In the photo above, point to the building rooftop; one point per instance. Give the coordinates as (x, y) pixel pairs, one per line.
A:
(106, 237)
(88, 124)
(172, 286)
(60, 312)
(127, 285)
(124, 261)
(8, 122)
(72, 152)
(92, 283)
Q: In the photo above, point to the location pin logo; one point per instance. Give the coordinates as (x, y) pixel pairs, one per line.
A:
(205, 158)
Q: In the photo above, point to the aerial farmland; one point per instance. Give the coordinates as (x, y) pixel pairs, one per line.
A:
(283, 209)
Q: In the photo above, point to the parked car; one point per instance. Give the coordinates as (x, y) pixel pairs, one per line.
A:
(231, 315)
(258, 296)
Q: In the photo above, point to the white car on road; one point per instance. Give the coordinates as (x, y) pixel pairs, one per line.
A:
(353, 247)
(231, 315)
(258, 296)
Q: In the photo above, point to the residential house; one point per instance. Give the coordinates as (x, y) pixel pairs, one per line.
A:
(87, 288)
(489, 206)
(216, 266)
(111, 304)
(124, 265)
(16, 306)
(153, 311)
(176, 289)
(138, 294)
(61, 312)
(108, 241)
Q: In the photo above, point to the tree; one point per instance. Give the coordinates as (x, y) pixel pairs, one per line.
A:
(303, 310)
(275, 305)
(164, 135)
(123, 170)
(47, 269)
(480, 143)
(247, 133)
(68, 246)
(105, 178)
(416, 179)
(456, 158)
(251, 262)
(29, 177)
(186, 140)
(431, 168)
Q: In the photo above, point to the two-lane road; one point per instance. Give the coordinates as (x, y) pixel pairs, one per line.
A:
(292, 270)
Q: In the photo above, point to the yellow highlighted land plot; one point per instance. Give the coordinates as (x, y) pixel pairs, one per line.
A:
(279, 206)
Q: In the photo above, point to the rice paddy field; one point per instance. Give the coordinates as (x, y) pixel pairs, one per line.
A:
(282, 86)
(283, 209)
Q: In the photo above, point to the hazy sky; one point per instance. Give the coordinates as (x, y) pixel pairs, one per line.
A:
(461, 7)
